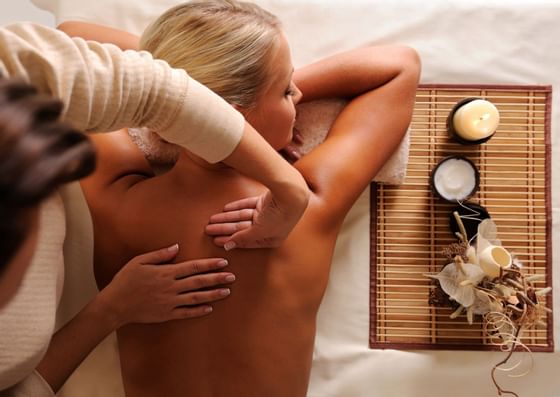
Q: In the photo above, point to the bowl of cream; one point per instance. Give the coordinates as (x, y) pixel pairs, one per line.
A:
(455, 178)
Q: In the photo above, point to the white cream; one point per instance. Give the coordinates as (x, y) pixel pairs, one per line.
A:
(455, 179)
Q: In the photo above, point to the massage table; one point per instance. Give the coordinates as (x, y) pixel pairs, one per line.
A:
(460, 42)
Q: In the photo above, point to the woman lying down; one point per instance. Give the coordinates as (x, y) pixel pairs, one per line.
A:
(239, 51)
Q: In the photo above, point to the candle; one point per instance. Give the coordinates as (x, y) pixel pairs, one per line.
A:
(455, 178)
(476, 120)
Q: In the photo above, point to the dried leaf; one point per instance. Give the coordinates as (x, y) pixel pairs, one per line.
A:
(484, 304)
(471, 255)
(451, 278)
(504, 290)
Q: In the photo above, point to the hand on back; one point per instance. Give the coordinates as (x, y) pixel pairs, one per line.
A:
(150, 289)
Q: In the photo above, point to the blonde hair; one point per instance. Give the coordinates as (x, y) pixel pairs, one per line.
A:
(224, 44)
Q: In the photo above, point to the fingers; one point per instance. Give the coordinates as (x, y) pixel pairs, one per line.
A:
(158, 256)
(201, 281)
(250, 202)
(191, 301)
(221, 240)
(221, 229)
(201, 297)
(241, 240)
(191, 312)
(246, 239)
(233, 216)
(188, 268)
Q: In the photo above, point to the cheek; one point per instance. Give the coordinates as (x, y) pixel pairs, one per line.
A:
(275, 124)
(287, 123)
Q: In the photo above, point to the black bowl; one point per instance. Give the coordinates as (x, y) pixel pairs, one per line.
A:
(476, 178)
(471, 215)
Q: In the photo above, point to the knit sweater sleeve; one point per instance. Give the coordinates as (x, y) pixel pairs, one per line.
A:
(104, 89)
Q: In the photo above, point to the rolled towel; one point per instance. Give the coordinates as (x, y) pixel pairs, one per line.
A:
(314, 120)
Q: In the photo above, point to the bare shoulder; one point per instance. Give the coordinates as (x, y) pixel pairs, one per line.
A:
(120, 164)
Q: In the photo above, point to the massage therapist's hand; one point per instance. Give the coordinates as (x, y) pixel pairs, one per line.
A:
(149, 289)
(263, 221)
(256, 222)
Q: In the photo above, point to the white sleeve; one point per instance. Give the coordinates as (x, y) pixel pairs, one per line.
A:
(104, 89)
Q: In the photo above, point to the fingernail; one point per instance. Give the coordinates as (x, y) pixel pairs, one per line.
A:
(173, 248)
(229, 245)
(230, 278)
(225, 291)
(208, 309)
(222, 263)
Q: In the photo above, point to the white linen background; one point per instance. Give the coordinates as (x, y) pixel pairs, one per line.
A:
(459, 41)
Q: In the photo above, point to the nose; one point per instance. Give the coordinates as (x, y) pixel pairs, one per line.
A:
(297, 96)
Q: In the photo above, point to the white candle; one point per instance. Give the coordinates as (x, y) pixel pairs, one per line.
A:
(476, 120)
(455, 179)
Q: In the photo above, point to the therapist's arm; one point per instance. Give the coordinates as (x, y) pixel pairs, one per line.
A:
(143, 291)
(278, 210)
(105, 89)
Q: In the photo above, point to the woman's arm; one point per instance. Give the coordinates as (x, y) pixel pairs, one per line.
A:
(143, 291)
(100, 33)
(382, 83)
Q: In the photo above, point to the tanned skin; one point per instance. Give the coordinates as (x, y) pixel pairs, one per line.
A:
(259, 341)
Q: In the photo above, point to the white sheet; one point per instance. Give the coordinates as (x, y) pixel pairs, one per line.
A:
(490, 41)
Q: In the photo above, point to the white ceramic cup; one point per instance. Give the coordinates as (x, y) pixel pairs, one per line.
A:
(492, 258)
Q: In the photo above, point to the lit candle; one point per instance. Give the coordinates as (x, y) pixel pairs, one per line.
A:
(455, 178)
(476, 120)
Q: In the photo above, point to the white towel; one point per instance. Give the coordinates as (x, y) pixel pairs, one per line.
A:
(314, 120)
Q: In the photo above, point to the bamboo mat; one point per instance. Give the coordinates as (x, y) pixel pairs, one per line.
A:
(409, 226)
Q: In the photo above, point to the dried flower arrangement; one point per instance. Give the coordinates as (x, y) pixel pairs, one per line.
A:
(487, 280)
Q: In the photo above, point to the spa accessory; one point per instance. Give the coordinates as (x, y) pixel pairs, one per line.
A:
(485, 279)
(455, 178)
(493, 259)
(471, 215)
(314, 119)
(473, 121)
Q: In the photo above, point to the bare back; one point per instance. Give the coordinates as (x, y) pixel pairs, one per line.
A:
(259, 341)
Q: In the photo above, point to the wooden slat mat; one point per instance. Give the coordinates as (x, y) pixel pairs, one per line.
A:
(409, 225)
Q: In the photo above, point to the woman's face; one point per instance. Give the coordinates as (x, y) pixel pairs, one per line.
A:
(275, 113)
(13, 272)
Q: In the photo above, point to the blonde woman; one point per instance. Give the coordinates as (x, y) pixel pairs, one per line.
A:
(45, 226)
(260, 341)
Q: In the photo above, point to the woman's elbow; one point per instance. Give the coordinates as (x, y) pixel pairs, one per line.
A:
(410, 62)
(68, 27)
